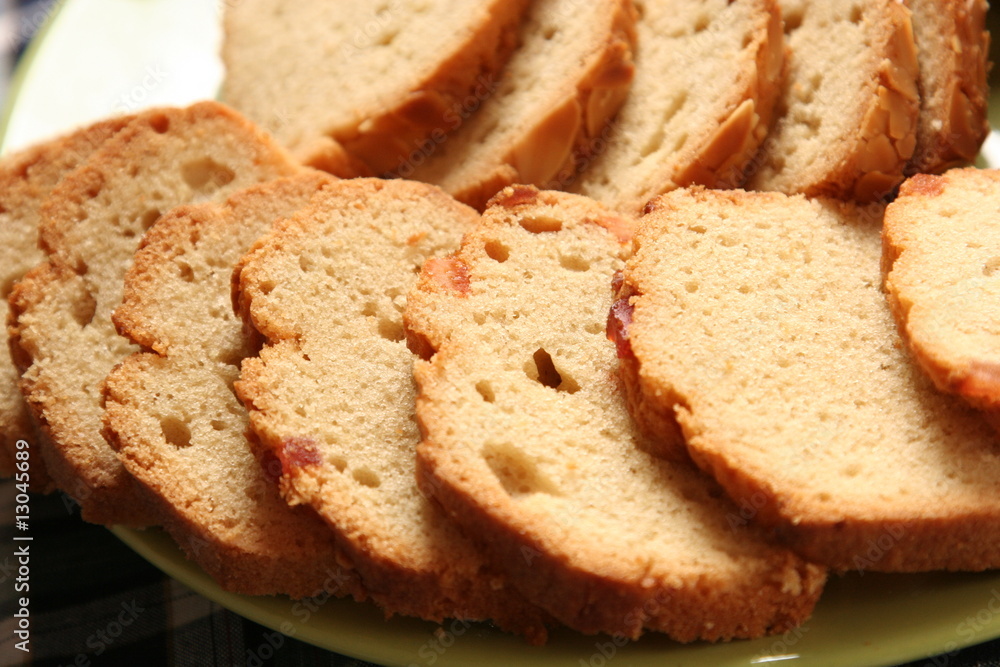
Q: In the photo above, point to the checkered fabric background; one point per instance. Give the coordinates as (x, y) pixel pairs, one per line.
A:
(95, 602)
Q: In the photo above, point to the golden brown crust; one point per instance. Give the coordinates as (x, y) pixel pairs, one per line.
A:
(953, 48)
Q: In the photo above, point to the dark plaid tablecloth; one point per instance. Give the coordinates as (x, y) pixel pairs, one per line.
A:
(93, 601)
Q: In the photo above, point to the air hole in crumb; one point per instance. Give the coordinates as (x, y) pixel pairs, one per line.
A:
(160, 123)
(391, 330)
(267, 286)
(516, 471)
(84, 309)
(338, 462)
(691, 286)
(485, 390)
(544, 371)
(218, 425)
(388, 38)
(793, 19)
(595, 328)
(991, 266)
(206, 174)
(856, 13)
(702, 23)
(186, 272)
(550, 32)
(148, 218)
(574, 263)
(176, 432)
(497, 251)
(541, 223)
(7, 285)
(369, 309)
(366, 477)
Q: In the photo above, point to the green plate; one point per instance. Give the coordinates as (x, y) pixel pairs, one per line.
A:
(101, 57)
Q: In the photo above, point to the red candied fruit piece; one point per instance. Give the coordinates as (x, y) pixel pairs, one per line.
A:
(619, 320)
(450, 273)
(298, 452)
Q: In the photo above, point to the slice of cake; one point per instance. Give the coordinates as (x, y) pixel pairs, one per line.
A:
(26, 179)
(174, 420)
(942, 256)
(544, 120)
(707, 75)
(953, 50)
(758, 320)
(528, 443)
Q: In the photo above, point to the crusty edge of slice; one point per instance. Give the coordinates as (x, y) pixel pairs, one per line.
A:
(978, 384)
(382, 142)
(963, 120)
(722, 158)
(565, 140)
